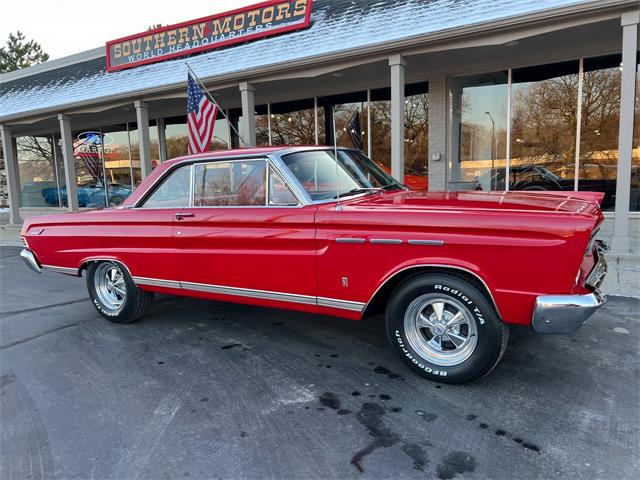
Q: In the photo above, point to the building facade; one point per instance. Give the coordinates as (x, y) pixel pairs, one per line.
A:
(447, 95)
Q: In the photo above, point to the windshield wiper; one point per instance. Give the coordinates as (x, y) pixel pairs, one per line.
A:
(356, 191)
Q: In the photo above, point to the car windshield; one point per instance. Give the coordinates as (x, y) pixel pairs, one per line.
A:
(316, 171)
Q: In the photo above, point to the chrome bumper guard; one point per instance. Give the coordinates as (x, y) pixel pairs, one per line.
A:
(564, 314)
(30, 259)
(599, 271)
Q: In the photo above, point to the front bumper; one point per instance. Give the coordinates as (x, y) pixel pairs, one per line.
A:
(30, 259)
(564, 314)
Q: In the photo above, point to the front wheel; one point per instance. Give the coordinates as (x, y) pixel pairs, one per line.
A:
(444, 328)
(114, 294)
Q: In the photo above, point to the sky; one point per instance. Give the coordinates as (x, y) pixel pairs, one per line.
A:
(65, 27)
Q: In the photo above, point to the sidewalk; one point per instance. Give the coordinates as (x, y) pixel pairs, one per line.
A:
(10, 235)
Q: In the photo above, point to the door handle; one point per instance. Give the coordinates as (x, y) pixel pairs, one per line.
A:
(181, 215)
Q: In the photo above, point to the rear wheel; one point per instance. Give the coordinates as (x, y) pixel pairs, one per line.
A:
(444, 328)
(114, 294)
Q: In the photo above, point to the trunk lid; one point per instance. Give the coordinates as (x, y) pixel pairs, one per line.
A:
(563, 202)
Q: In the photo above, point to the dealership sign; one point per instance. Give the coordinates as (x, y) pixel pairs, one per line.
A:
(249, 23)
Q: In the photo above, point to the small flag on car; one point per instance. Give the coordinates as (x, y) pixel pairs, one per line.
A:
(354, 130)
(201, 118)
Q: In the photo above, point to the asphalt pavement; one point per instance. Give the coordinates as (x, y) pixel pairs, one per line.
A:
(202, 390)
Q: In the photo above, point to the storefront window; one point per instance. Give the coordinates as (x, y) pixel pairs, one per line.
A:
(118, 165)
(479, 124)
(134, 142)
(381, 130)
(262, 126)
(40, 179)
(635, 160)
(543, 127)
(90, 172)
(176, 136)
(293, 123)
(599, 127)
(416, 135)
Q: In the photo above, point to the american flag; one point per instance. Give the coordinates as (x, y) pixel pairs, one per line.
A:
(201, 117)
(354, 130)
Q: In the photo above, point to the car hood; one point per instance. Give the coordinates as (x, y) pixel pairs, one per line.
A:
(566, 202)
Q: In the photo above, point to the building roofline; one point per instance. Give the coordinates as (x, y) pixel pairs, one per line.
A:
(53, 64)
(586, 9)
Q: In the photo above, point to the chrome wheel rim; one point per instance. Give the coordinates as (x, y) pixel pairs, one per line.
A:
(441, 330)
(110, 286)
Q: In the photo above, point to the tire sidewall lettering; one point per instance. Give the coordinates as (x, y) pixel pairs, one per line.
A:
(473, 308)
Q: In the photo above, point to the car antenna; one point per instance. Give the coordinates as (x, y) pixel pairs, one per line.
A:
(335, 154)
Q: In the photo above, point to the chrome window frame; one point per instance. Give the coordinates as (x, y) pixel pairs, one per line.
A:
(274, 161)
(292, 180)
(271, 163)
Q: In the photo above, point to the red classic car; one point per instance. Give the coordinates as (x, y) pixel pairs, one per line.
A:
(272, 227)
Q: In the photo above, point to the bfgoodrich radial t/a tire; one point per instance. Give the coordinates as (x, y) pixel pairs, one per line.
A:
(444, 328)
(114, 294)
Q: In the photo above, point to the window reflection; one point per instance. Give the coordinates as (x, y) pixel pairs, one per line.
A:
(599, 127)
(543, 127)
(176, 135)
(39, 175)
(634, 201)
(118, 164)
(479, 120)
(293, 123)
(416, 137)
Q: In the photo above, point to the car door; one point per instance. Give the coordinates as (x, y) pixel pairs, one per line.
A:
(149, 236)
(246, 235)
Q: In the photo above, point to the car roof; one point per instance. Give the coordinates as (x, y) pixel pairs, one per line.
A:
(217, 155)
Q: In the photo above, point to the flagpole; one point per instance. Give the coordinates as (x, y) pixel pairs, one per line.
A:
(206, 91)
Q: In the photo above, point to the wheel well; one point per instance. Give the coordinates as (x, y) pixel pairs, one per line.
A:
(379, 301)
(86, 263)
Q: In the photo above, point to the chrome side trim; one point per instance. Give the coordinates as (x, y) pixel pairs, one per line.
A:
(437, 265)
(247, 292)
(156, 282)
(564, 314)
(30, 259)
(386, 241)
(426, 242)
(349, 240)
(64, 270)
(252, 293)
(341, 304)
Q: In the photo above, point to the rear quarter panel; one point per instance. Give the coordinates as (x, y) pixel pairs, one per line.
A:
(141, 239)
(518, 255)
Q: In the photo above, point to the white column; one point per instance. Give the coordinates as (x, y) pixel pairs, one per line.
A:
(248, 120)
(11, 167)
(144, 142)
(437, 133)
(625, 136)
(69, 162)
(397, 64)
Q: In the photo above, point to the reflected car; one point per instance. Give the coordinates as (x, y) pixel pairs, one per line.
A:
(299, 229)
(90, 195)
(541, 178)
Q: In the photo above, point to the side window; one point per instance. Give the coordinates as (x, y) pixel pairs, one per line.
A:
(279, 193)
(231, 184)
(173, 192)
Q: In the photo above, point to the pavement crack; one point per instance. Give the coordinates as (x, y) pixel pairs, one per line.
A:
(44, 307)
(47, 332)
